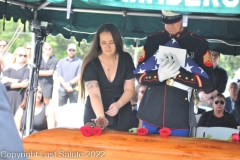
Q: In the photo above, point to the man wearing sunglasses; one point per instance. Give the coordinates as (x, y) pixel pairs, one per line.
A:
(217, 117)
(68, 75)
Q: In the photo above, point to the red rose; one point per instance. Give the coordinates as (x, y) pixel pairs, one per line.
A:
(235, 137)
(142, 131)
(164, 132)
(97, 131)
(86, 131)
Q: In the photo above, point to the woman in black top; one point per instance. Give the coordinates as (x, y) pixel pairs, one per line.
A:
(15, 78)
(217, 117)
(44, 117)
(107, 72)
(46, 72)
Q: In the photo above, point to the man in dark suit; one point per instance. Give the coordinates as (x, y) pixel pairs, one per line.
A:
(220, 82)
(10, 143)
(230, 101)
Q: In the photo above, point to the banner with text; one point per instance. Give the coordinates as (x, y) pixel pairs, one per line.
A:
(185, 6)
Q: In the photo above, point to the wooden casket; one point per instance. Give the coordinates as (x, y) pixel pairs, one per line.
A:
(60, 143)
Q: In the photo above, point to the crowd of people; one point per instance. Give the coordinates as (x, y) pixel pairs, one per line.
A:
(15, 71)
(163, 97)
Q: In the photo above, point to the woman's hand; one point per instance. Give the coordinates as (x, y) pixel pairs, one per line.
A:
(5, 80)
(101, 122)
(205, 96)
(113, 109)
(69, 89)
(24, 83)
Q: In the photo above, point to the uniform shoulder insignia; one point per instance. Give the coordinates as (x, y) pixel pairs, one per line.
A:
(142, 56)
(207, 59)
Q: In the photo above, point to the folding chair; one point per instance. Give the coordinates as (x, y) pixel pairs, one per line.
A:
(222, 133)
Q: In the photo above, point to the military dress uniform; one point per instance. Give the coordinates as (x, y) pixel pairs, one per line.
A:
(164, 104)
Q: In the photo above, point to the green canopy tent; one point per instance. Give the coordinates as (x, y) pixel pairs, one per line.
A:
(218, 21)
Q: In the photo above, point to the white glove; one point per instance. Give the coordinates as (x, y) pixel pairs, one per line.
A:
(169, 67)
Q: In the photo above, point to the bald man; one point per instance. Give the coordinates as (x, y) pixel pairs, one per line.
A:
(230, 101)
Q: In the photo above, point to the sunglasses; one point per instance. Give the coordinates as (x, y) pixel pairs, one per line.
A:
(22, 55)
(29, 48)
(71, 50)
(221, 102)
(143, 91)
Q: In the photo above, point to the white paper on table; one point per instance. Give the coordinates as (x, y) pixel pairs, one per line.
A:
(180, 53)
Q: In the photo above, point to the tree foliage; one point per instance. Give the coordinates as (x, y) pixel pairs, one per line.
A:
(230, 64)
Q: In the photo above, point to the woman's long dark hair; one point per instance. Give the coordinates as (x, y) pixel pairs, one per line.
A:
(96, 49)
(24, 101)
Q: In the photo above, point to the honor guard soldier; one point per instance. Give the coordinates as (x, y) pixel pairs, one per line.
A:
(166, 102)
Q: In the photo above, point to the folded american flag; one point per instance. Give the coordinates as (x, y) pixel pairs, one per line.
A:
(152, 63)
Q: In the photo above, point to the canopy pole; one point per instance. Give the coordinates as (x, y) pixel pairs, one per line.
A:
(35, 15)
(32, 88)
(69, 6)
(39, 37)
(43, 5)
(136, 53)
(4, 16)
(124, 22)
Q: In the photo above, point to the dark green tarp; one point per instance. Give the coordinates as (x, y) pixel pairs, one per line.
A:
(134, 26)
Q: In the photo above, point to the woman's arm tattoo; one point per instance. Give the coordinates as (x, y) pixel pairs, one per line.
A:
(91, 84)
(96, 85)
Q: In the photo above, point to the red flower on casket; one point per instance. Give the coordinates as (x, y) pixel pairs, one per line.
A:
(86, 131)
(164, 132)
(97, 131)
(235, 137)
(142, 131)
